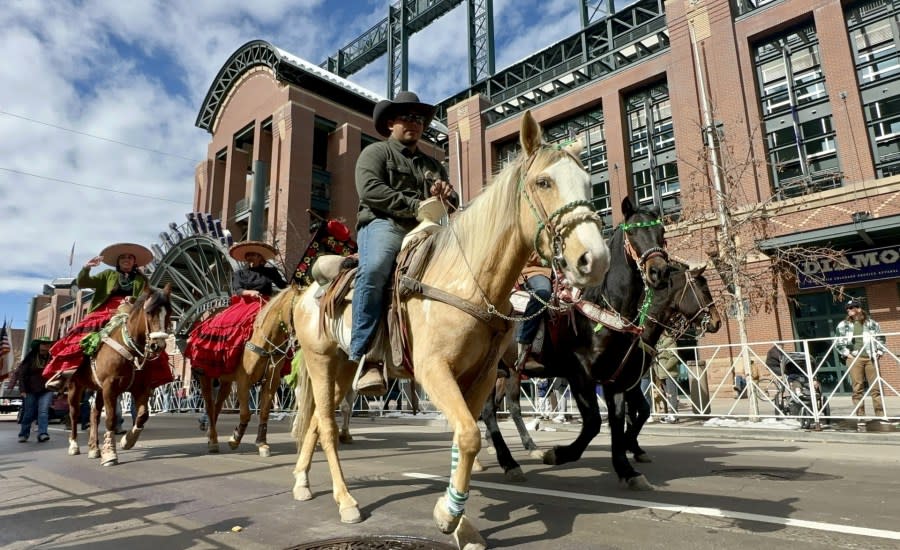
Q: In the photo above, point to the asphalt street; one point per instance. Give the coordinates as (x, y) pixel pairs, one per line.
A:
(715, 488)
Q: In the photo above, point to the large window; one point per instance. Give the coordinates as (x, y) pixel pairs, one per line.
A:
(800, 136)
(587, 127)
(873, 29)
(654, 170)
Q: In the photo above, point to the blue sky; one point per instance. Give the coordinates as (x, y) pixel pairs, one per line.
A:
(99, 98)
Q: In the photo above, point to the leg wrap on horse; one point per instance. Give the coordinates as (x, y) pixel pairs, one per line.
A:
(263, 431)
(456, 501)
(239, 431)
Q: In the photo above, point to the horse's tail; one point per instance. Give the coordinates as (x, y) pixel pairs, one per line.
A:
(303, 399)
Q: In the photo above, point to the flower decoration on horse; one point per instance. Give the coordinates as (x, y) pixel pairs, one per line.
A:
(329, 237)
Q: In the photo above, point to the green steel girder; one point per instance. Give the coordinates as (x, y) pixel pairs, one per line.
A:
(593, 11)
(398, 50)
(374, 42)
(481, 40)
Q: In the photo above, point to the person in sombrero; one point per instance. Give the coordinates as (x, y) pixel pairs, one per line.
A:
(215, 345)
(111, 287)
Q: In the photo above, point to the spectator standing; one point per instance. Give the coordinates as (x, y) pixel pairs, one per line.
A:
(860, 342)
(665, 369)
(36, 398)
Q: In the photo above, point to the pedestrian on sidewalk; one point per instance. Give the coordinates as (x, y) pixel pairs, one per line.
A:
(665, 370)
(861, 343)
(36, 398)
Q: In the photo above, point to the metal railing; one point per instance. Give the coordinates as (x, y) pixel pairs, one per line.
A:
(708, 386)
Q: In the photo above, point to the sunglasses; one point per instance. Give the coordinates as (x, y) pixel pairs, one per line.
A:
(419, 119)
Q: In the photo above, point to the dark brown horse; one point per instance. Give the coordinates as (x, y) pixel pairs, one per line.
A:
(131, 346)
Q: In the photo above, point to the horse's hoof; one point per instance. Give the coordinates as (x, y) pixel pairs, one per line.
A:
(477, 466)
(212, 448)
(302, 493)
(491, 450)
(638, 483)
(234, 444)
(515, 475)
(351, 515)
(549, 457)
(445, 521)
(467, 537)
(94, 453)
(264, 451)
(73, 448)
(345, 438)
(643, 457)
(129, 439)
(537, 453)
(109, 459)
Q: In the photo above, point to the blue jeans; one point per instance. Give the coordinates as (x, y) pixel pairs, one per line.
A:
(539, 285)
(379, 242)
(35, 405)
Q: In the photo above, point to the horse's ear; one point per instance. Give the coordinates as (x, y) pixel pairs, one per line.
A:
(167, 290)
(627, 207)
(147, 290)
(697, 271)
(530, 134)
(575, 148)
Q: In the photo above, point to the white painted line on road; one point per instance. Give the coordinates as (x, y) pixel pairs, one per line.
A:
(696, 510)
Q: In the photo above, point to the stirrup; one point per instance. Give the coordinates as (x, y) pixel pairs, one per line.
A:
(371, 391)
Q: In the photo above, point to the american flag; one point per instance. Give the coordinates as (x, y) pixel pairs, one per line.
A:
(5, 350)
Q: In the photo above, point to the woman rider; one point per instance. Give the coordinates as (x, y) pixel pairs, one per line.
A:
(216, 345)
(111, 288)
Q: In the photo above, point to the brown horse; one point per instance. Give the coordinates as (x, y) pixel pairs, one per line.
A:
(130, 343)
(264, 355)
(539, 202)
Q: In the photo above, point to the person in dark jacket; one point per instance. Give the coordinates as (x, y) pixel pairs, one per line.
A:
(216, 345)
(36, 398)
(392, 178)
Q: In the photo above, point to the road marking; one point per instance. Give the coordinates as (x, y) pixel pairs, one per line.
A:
(696, 510)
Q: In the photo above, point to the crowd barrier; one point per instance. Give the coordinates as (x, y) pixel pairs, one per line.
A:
(729, 381)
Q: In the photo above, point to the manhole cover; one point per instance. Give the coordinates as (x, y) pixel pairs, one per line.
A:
(773, 474)
(374, 543)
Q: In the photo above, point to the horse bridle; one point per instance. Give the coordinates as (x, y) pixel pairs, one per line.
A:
(554, 224)
(703, 312)
(652, 252)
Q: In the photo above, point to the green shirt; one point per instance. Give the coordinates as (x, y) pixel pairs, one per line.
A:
(105, 283)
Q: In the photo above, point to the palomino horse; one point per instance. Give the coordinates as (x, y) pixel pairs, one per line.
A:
(686, 297)
(264, 356)
(123, 362)
(539, 202)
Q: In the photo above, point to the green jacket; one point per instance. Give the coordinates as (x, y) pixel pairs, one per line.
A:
(390, 182)
(667, 361)
(104, 283)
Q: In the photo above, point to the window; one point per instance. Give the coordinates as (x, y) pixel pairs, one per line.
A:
(654, 172)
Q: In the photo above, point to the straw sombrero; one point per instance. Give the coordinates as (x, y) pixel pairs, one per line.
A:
(142, 255)
(239, 251)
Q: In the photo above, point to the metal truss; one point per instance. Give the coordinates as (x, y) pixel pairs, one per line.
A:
(618, 41)
(481, 40)
(593, 11)
(257, 52)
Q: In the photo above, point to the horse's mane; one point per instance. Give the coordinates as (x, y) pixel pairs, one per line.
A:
(261, 316)
(493, 212)
(156, 299)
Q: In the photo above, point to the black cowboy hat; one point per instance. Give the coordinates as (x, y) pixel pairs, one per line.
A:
(404, 102)
(852, 302)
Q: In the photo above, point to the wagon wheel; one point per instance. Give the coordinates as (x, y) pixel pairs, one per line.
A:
(199, 270)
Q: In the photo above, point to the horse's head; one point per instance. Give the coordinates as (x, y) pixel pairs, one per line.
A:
(645, 243)
(557, 214)
(693, 299)
(151, 316)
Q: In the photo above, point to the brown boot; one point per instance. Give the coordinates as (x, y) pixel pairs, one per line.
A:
(370, 382)
(59, 380)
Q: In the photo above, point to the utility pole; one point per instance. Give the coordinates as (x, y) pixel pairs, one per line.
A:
(727, 247)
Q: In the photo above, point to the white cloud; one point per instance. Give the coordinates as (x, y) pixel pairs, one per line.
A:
(137, 73)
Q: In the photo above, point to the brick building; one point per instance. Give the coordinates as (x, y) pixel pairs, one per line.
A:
(808, 90)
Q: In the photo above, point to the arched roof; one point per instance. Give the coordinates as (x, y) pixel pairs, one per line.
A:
(287, 67)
